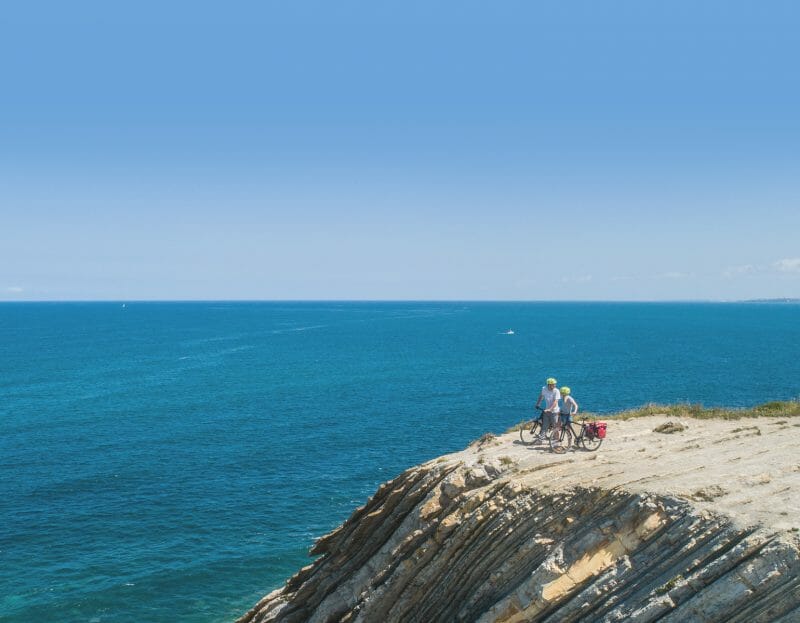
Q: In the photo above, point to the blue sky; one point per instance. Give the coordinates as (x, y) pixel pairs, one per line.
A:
(623, 150)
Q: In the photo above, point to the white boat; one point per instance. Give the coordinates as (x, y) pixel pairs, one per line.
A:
(509, 332)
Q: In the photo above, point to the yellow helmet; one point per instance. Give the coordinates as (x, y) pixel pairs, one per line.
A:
(564, 391)
(550, 381)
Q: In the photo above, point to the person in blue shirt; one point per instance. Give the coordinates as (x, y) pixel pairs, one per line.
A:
(568, 408)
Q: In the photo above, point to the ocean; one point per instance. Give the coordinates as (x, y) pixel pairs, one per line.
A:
(175, 461)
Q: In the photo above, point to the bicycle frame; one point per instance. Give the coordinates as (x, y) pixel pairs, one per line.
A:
(527, 431)
(579, 437)
(562, 430)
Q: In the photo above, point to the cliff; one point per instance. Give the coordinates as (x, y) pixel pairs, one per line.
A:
(697, 525)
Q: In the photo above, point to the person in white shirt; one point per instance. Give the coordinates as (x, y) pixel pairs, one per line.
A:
(550, 395)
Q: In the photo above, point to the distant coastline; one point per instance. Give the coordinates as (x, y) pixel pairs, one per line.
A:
(787, 300)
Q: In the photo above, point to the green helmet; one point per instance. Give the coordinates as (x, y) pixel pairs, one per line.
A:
(564, 391)
(551, 381)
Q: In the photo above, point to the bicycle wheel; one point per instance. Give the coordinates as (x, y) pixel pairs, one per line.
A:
(590, 443)
(529, 431)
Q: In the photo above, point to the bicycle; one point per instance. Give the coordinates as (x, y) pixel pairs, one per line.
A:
(529, 431)
(591, 435)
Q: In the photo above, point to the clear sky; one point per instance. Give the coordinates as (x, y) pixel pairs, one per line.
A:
(617, 149)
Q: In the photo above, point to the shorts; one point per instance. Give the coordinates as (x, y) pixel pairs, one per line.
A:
(566, 418)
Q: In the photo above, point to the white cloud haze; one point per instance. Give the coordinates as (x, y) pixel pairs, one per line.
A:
(788, 265)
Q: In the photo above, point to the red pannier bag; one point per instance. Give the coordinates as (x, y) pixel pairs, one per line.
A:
(600, 429)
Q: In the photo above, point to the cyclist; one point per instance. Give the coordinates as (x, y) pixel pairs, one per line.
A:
(551, 396)
(568, 408)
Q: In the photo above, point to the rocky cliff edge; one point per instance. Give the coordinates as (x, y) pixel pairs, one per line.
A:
(697, 525)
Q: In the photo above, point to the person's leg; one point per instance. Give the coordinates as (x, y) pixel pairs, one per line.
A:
(567, 420)
(545, 425)
(555, 435)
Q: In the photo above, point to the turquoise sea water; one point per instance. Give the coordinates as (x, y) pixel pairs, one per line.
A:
(174, 461)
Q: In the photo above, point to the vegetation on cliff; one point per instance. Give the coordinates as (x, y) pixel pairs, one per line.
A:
(788, 408)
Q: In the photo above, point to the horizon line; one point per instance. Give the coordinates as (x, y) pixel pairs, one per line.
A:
(410, 300)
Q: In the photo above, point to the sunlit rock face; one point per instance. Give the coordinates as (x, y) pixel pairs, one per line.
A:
(503, 533)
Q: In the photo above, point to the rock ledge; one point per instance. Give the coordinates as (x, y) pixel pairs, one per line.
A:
(699, 525)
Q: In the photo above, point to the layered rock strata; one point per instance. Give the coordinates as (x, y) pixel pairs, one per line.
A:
(507, 532)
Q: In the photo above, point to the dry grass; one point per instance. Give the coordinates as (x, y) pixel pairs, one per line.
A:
(666, 588)
(790, 408)
(484, 439)
(669, 427)
(744, 429)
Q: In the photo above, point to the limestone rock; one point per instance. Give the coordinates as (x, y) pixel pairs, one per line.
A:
(458, 540)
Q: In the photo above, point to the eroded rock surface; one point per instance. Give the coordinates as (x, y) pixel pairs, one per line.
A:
(504, 532)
